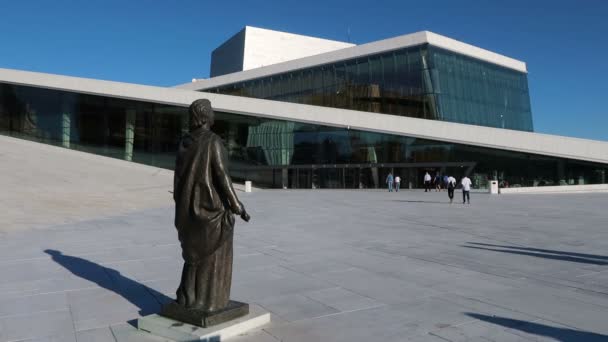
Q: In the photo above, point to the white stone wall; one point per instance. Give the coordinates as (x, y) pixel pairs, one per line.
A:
(556, 189)
(266, 47)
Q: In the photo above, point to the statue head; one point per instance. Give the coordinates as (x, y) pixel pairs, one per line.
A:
(201, 114)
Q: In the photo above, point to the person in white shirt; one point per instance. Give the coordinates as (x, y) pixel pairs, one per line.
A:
(466, 189)
(397, 183)
(451, 185)
(427, 182)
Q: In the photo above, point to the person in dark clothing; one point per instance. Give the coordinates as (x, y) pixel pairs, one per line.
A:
(451, 185)
(437, 181)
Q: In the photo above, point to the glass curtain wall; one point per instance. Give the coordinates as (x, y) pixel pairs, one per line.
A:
(389, 83)
(271, 153)
(474, 92)
(142, 132)
(422, 82)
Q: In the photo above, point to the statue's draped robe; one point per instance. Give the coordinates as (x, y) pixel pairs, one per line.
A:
(204, 204)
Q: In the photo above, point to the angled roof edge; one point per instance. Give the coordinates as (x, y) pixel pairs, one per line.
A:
(413, 39)
(503, 139)
(261, 29)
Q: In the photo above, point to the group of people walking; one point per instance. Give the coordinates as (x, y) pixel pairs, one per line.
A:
(396, 181)
(439, 183)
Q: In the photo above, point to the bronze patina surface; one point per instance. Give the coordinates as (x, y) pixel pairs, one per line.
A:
(205, 205)
(203, 318)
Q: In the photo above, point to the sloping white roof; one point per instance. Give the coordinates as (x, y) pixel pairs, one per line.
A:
(418, 38)
(543, 144)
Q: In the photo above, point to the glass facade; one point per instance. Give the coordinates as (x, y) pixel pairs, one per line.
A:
(422, 82)
(473, 92)
(142, 132)
(271, 153)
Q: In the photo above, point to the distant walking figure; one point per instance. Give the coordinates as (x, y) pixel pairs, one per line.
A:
(437, 182)
(397, 183)
(427, 182)
(389, 181)
(451, 185)
(466, 189)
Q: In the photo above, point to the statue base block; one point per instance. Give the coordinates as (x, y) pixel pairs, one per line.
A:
(180, 331)
(202, 318)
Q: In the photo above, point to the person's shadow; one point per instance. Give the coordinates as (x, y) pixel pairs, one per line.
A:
(555, 333)
(583, 258)
(145, 298)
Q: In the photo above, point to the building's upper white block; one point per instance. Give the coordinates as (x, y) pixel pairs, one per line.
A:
(254, 47)
(267, 47)
(380, 46)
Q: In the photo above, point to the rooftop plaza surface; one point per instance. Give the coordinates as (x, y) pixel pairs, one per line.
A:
(87, 245)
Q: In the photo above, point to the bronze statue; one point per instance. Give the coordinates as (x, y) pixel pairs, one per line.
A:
(205, 204)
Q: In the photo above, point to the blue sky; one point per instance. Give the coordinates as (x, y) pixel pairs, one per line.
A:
(169, 42)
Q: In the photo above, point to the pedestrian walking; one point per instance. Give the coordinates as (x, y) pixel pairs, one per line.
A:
(437, 182)
(451, 185)
(397, 183)
(427, 182)
(389, 181)
(466, 189)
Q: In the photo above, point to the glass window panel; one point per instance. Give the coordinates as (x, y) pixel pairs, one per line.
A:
(464, 89)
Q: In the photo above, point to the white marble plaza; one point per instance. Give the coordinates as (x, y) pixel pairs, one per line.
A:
(87, 246)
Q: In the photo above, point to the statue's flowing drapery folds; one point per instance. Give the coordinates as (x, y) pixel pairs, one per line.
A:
(205, 204)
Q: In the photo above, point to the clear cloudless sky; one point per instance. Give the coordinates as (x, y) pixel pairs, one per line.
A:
(164, 43)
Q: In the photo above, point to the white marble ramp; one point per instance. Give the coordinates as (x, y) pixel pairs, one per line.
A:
(61, 185)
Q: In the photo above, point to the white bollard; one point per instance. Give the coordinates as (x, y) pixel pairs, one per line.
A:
(247, 186)
(494, 187)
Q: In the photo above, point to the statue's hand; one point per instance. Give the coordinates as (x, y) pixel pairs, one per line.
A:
(245, 216)
(240, 210)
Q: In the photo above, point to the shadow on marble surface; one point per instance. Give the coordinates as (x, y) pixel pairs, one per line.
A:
(550, 251)
(559, 334)
(541, 253)
(147, 299)
(421, 201)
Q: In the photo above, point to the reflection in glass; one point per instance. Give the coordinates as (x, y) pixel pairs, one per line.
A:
(422, 82)
(272, 153)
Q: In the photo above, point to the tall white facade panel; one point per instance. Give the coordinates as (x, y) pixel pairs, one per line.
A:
(254, 47)
(267, 47)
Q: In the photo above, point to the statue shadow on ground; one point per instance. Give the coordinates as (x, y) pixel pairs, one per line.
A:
(559, 334)
(144, 297)
(542, 253)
